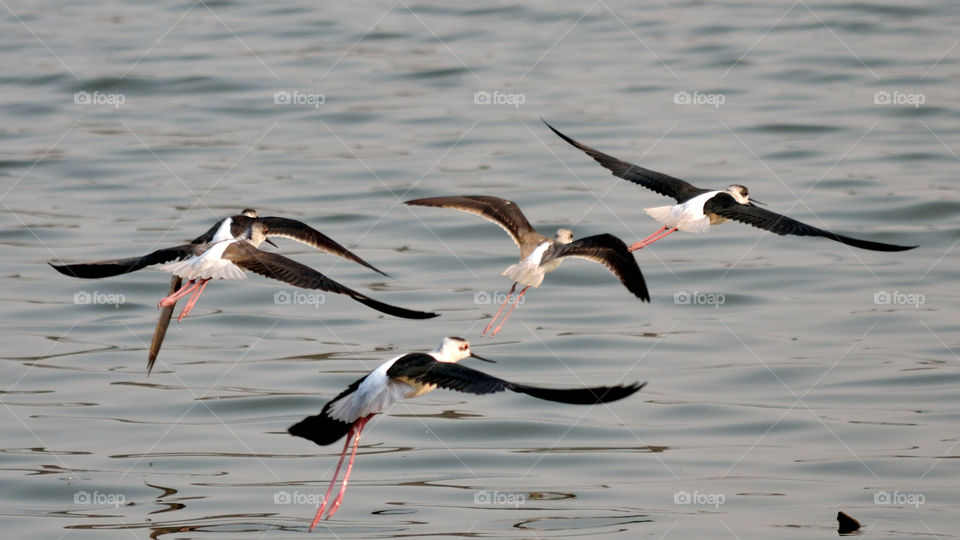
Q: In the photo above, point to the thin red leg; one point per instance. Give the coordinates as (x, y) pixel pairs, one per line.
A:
(346, 476)
(507, 316)
(172, 299)
(652, 238)
(326, 497)
(201, 285)
(503, 305)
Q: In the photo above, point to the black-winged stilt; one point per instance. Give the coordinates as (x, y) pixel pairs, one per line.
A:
(224, 252)
(540, 255)
(249, 225)
(700, 208)
(413, 375)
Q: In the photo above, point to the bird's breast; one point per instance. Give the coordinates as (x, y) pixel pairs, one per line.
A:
(416, 388)
(716, 219)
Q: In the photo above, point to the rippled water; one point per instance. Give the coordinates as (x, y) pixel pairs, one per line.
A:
(786, 390)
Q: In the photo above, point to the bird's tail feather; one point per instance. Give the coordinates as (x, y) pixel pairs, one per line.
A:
(320, 429)
(525, 274)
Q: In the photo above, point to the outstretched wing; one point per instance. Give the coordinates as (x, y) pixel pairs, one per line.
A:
(504, 213)
(424, 369)
(661, 183)
(116, 267)
(275, 266)
(609, 251)
(725, 205)
(303, 233)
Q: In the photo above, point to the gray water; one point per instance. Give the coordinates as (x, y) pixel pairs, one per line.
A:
(802, 378)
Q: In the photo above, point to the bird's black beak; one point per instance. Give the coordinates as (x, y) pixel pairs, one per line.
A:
(754, 201)
(267, 240)
(478, 357)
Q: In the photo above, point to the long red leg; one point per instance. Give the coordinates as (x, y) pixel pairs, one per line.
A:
(507, 316)
(326, 497)
(346, 476)
(172, 299)
(201, 285)
(503, 305)
(652, 238)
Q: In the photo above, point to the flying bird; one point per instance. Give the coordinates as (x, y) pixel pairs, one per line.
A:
(699, 208)
(540, 255)
(412, 375)
(226, 251)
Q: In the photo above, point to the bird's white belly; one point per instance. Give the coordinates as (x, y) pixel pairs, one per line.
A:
(529, 271)
(374, 395)
(208, 265)
(687, 216)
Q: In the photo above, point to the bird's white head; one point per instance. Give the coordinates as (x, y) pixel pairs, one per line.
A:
(249, 212)
(454, 349)
(564, 236)
(739, 193)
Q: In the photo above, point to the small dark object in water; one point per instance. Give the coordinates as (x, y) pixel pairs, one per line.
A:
(847, 523)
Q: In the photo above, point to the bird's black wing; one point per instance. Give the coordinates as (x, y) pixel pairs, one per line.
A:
(321, 428)
(116, 267)
(424, 369)
(609, 251)
(303, 233)
(275, 266)
(504, 213)
(723, 204)
(661, 183)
